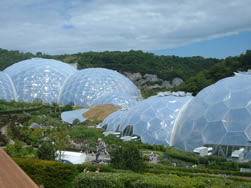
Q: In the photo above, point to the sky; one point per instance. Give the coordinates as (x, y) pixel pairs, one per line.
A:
(209, 28)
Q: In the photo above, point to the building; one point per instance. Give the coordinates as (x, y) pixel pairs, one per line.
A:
(11, 175)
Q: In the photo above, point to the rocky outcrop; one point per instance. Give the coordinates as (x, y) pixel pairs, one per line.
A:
(152, 81)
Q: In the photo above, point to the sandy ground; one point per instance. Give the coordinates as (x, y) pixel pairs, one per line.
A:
(100, 112)
(11, 175)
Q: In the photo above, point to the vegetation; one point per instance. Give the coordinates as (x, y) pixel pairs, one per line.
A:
(51, 174)
(165, 67)
(46, 151)
(149, 180)
(127, 157)
(55, 174)
(8, 58)
(218, 71)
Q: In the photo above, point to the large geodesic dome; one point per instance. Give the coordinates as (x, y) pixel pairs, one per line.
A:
(86, 86)
(39, 79)
(219, 115)
(151, 119)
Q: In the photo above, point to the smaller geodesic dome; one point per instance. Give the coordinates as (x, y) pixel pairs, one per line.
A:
(7, 91)
(151, 119)
(86, 86)
(38, 79)
(124, 100)
(112, 122)
(219, 115)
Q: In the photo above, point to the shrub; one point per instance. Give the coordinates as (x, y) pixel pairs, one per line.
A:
(51, 174)
(96, 180)
(46, 151)
(127, 157)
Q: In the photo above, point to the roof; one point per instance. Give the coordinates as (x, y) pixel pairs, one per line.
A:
(237, 153)
(11, 175)
(198, 149)
(73, 157)
(35, 126)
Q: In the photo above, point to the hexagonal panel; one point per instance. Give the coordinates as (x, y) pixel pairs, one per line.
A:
(216, 112)
(237, 119)
(195, 141)
(235, 138)
(217, 96)
(214, 132)
(200, 124)
(239, 99)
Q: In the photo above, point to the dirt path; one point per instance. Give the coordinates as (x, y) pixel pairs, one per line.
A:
(11, 175)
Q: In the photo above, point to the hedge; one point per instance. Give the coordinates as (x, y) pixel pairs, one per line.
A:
(161, 169)
(123, 180)
(53, 174)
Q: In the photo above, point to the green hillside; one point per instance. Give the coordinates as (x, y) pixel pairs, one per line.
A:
(219, 71)
(165, 67)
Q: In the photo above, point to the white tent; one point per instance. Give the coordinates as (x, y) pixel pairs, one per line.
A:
(73, 157)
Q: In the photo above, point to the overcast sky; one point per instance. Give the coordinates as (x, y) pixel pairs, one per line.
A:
(65, 26)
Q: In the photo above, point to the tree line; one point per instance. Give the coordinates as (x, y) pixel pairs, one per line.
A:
(221, 70)
(165, 67)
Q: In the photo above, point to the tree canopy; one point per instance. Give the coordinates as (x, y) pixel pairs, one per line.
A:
(218, 71)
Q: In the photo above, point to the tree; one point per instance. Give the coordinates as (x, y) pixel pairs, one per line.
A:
(46, 151)
(128, 157)
(61, 139)
(17, 149)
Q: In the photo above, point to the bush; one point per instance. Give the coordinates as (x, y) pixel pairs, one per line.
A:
(46, 151)
(96, 180)
(127, 157)
(182, 155)
(51, 174)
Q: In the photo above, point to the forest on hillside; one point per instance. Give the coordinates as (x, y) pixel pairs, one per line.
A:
(219, 71)
(165, 67)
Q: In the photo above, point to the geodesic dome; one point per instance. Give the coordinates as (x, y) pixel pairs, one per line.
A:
(6, 87)
(124, 100)
(87, 85)
(151, 119)
(39, 79)
(219, 115)
(112, 122)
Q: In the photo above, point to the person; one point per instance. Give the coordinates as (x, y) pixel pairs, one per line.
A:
(97, 170)
(101, 148)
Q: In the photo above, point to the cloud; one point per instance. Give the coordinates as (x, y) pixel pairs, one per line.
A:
(63, 26)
